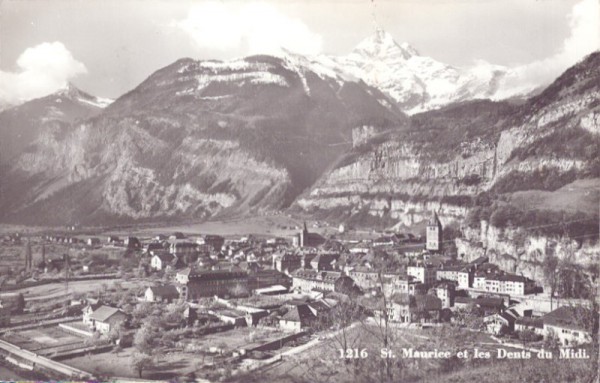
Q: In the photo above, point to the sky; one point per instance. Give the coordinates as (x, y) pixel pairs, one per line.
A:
(107, 47)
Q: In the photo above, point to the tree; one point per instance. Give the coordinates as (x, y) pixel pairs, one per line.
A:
(239, 290)
(141, 362)
(115, 333)
(144, 339)
(19, 304)
(528, 335)
(343, 315)
(550, 270)
(140, 312)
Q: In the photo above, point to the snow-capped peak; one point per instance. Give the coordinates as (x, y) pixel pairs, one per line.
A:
(382, 44)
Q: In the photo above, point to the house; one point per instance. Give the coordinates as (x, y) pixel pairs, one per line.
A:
(569, 325)
(462, 275)
(161, 261)
(286, 262)
(113, 240)
(166, 293)
(183, 276)
(532, 324)
(88, 310)
(446, 292)
(405, 308)
(423, 273)
(490, 305)
(497, 323)
(297, 318)
(403, 284)
(105, 318)
(92, 241)
(463, 302)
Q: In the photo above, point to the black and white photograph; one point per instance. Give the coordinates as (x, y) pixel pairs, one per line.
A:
(300, 191)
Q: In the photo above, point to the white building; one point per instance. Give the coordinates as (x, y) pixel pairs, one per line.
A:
(423, 274)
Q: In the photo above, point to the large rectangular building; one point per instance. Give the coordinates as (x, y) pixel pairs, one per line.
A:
(208, 283)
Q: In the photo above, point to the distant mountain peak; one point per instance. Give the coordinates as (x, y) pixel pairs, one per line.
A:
(73, 93)
(382, 44)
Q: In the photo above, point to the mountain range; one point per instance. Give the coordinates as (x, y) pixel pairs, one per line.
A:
(418, 83)
(346, 138)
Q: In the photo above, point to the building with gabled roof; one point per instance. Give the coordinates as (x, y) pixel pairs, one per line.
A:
(297, 318)
(406, 308)
(105, 318)
(160, 261)
(165, 293)
(570, 325)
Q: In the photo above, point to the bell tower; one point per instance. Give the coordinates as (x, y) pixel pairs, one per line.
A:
(434, 233)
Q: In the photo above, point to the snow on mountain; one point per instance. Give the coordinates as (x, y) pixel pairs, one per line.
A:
(22, 124)
(418, 83)
(77, 95)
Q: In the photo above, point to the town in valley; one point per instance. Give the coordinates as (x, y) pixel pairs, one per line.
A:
(82, 303)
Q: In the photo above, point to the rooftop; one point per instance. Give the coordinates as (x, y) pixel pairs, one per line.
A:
(102, 313)
(568, 317)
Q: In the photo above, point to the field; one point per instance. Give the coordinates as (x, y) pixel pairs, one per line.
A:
(59, 289)
(111, 364)
(273, 225)
(243, 337)
(45, 340)
(174, 363)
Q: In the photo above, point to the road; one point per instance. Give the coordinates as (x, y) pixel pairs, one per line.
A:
(44, 362)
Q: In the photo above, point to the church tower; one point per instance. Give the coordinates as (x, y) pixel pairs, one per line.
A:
(434, 233)
(304, 236)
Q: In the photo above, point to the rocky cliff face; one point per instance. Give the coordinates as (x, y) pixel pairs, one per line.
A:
(519, 252)
(21, 125)
(447, 157)
(196, 139)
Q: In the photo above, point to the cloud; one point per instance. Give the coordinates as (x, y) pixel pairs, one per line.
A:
(583, 39)
(251, 28)
(43, 69)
